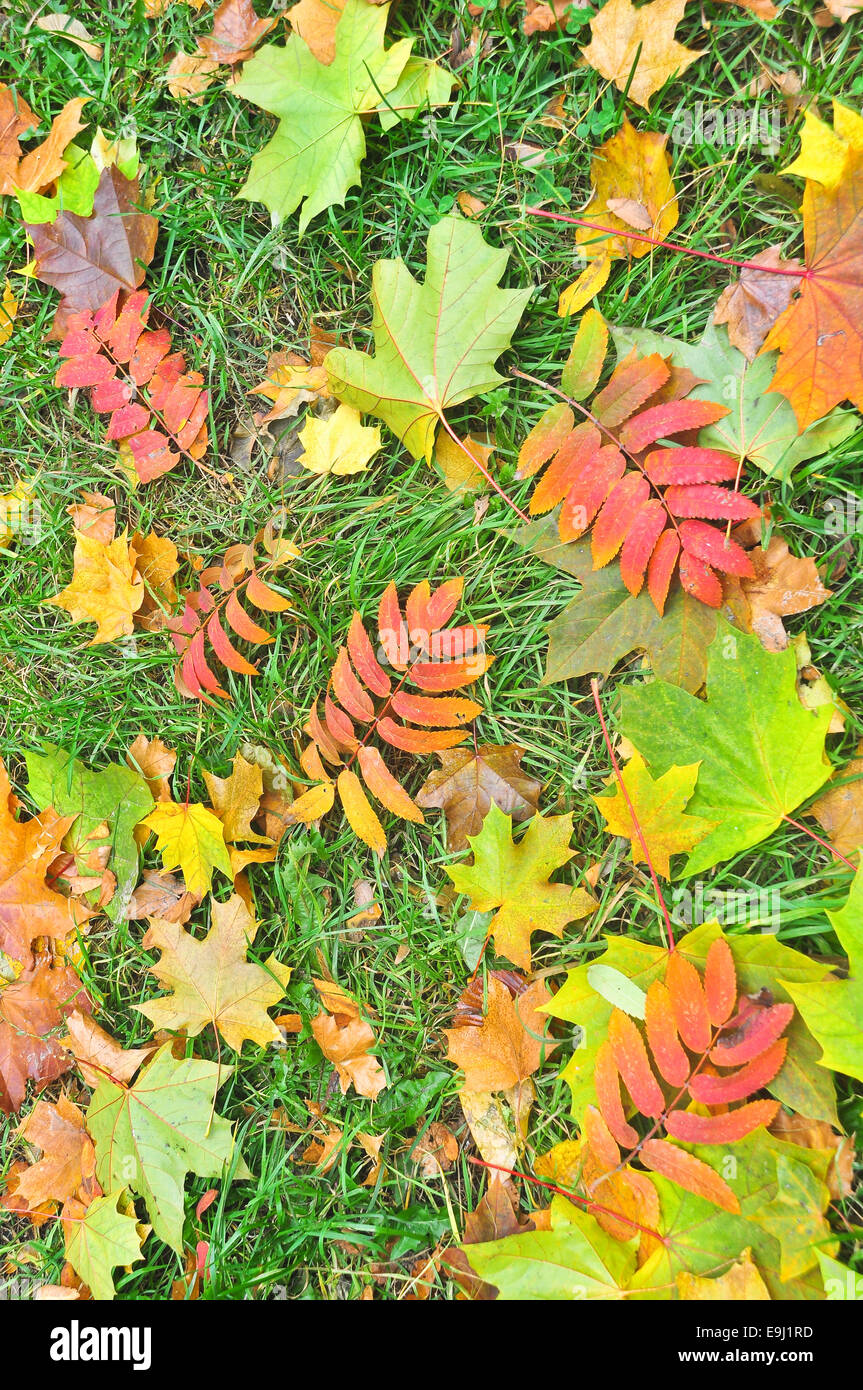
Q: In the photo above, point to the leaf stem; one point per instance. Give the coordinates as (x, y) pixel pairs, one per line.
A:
(806, 273)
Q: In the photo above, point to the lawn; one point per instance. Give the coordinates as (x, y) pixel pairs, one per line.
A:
(234, 289)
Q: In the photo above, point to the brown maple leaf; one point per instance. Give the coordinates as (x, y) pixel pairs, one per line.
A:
(346, 1040)
(89, 258)
(236, 32)
(495, 1216)
(820, 335)
(751, 305)
(162, 895)
(782, 584)
(28, 907)
(32, 1010)
(467, 782)
(155, 761)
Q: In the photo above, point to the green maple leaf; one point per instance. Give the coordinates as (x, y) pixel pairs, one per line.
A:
(833, 1009)
(761, 961)
(320, 143)
(605, 622)
(148, 1136)
(760, 425)
(99, 1238)
(514, 878)
(576, 1259)
(115, 794)
(436, 343)
(761, 752)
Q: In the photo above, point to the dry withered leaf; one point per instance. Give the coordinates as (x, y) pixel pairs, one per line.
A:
(236, 32)
(467, 782)
(155, 761)
(68, 1159)
(783, 584)
(98, 1054)
(621, 33)
(436, 1150)
(162, 895)
(839, 811)
(817, 1134)
(28, 907)
(753, 303)
(346, 1040)
(16, 119)
(188, 76)
(495, 1217)
(510, 1043)
(32, 1010)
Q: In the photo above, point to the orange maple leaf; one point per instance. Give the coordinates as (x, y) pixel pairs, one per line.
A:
(820, 335)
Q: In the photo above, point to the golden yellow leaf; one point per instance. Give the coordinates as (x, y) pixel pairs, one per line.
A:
(508, 1046)
(619, 29)
(14, 507)
(190, 838)
(236, 800)
(339, 444)
(105, 588)
(825, 149)
(457, 462)
(659, 806)
(291, 381)
(42, 166)
(582, 290)
(632, 189)
(8, 311)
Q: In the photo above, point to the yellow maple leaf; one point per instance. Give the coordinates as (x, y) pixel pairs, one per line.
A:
(212, 982)
(13, 510)
(105, 589)
(659, 806)
(190, 837)
(619, 30)
(340, 444)
(824, 149)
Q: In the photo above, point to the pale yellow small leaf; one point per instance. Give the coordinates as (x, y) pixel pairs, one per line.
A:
(340, 444)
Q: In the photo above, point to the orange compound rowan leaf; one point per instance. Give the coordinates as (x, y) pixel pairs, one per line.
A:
(366, 702)
(720, 1129)
(688, 1172)
(759, 1029)
(722, 1090)
(687, 1020)
(218, 605)
(688, 1002)
(720, 981)
(649, 506)
(113, 354)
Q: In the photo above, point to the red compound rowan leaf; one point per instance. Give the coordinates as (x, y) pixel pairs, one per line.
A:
(650, 508)
(692, 1047)
(115, 355)
(216, 605)
(364, 701)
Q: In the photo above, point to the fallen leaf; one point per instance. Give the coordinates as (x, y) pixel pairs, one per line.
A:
(28, 907)
(212, 982)
(817, 1134)
(188, 75)
(8, 313)
(99, 1237)
(150, 1135)
(741, 1282)
(32, 1010)
(236, 800)
(751, 305)
(783, 584)
(236, 32)
(468, 781)
(155, 761)
(16, 119)
(458, 462)
(190, 837)
(824, 149)
(315, 21)
(435, 343)
(98, 1054)
(41, 166)
(469, 204)
(509, 1045)
(346, 1040)
(324, 1149)
(660, 807)
(839, 811)
(340, 444)
(619, 30)
(105, 588)
(832, 1008)
(436, 1151)
(89, 258)
(162, 895)
(514, 878)
(67, 1160)
(73, 30)
(540, 16)
(819, 335)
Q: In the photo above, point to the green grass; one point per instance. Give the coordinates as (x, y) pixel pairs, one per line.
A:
(233, 290)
